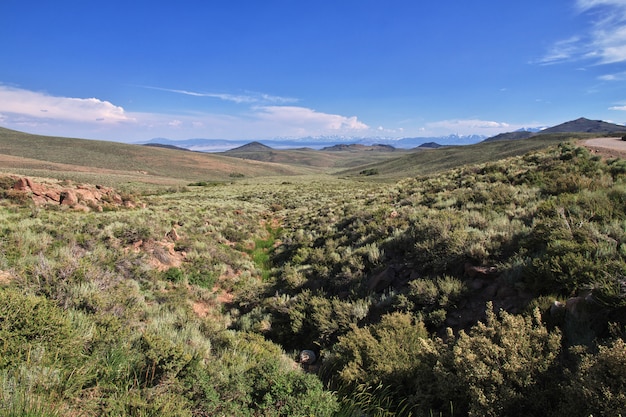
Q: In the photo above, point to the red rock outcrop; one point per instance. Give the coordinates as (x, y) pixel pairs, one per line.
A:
(80, 197)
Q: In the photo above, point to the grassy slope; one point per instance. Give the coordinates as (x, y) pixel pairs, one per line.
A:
(156, 341)
(140, 163)
(113, 163)
(319, 159)
(428, 161)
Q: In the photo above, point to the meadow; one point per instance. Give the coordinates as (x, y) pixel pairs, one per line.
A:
(488, 288)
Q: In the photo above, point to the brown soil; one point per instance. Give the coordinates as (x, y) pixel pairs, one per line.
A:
(201, 309)
(606, 147)
(5, 277)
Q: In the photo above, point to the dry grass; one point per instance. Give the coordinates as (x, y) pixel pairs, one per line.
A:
(121, 163)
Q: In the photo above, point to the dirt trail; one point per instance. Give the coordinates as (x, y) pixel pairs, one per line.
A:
(607, 147)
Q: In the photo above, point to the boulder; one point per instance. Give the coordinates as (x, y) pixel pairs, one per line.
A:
(173, 235)
(68, 198)
(54, 196)
(21, 185)
(585, 320)
(307, 357)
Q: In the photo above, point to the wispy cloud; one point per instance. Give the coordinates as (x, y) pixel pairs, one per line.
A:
(619, 76)
(603, 42)
(246, 98)
(618, 108)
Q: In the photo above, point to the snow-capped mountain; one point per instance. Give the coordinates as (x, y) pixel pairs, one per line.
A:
(220, 145)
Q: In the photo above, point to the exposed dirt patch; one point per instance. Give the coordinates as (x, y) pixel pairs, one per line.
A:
(5, 277)
(606, 147)
(201, 309)
(162, 254)
(224, 297)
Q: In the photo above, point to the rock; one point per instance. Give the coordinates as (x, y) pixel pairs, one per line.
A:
(473, 271)
(37, 189)
(173, 235)
(91, 197)
(381, 280)
(307, 357)
(117, 199)
(53, 195)
(68, 198)
(87, 195)
(21, 185)
(584, 320)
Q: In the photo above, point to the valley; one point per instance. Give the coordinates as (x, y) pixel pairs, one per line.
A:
(485, 279)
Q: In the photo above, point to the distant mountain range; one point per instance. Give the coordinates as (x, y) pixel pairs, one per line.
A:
(342, 143)
(221, 145)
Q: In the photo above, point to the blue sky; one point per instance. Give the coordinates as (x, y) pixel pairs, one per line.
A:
(133, 70)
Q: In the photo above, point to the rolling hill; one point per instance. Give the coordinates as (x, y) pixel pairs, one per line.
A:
(330, 158)
(117, 162)
(428, 161)
(578, 126)
(314, 295)
(113, 163)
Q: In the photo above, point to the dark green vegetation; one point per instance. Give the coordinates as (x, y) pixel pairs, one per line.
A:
(433, 295)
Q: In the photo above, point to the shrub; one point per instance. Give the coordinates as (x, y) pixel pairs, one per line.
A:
(598, 383)
(174, 274)
(368, 172)
(503, 362)
(32, 326)
(395, 353)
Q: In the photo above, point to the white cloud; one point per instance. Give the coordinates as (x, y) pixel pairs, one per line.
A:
(16, 103)
(603, 42)
(93, 118)
(618, 108)
(302, 119)
(468, 125)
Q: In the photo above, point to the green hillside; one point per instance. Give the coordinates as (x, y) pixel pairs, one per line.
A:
(427, 161)
(324, 160)
(139, 163)
(494, 288)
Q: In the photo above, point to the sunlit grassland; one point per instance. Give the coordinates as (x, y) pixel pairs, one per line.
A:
(429, 161)
(198, 302)
(119, 163)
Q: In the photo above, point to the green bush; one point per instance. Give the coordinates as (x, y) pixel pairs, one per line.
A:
(504, 363)
(396, 354)
(33, 329)
(174, 274)
(597, 385)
